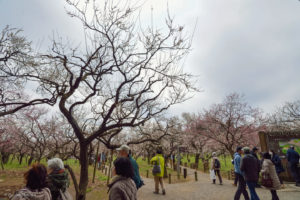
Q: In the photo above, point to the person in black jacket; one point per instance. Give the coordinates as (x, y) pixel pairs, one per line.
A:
(254, 153)
(278, 165)
(250, 167)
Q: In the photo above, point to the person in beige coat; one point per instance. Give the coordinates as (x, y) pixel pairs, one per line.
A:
(269, 168)
(122, 186)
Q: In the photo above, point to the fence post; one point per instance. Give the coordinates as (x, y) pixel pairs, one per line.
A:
(184, 173)
(169, 178)
(96, 162)
(196, 176)
(232, 175)
(228, 174)
(147, 175)
(105, 170)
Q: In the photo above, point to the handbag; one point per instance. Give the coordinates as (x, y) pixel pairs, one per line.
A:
(156, 168)
(65, 195)
(212, 174)
(266, 180)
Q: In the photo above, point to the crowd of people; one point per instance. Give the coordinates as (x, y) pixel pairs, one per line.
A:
(247, 168)
(52, 183)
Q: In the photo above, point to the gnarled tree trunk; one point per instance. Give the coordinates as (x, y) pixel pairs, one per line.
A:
(84, 164)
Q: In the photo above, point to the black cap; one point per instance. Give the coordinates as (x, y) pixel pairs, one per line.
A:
(239, 148)
(254, 149)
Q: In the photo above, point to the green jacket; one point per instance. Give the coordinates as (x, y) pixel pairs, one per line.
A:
(58, 180)
(136, 178)
(159, 159)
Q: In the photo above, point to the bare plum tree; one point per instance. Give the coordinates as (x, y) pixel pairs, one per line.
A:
(15, 55)
(123, 76)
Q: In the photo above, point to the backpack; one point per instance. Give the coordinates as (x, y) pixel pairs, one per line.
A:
(156, 168)
(217, 164)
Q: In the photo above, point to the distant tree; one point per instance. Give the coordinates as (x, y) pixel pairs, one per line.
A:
(286, 117)
(195, 140)
(8, 139)
(231, 123)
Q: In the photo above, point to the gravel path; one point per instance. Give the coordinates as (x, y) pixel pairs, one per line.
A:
(204, 190)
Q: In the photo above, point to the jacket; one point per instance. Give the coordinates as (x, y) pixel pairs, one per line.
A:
(254, 154)
(27, 194)
(250, 168)
(57, 180)
(213, 163)
(136, 178)
(277, 162)
(269, 168)
(292, 156)
(237, 163)
(159, 159)
(122, 188)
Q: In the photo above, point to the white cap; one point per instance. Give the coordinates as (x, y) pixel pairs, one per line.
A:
(124, 147)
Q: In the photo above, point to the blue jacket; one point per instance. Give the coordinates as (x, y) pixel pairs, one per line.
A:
(136, 178)
(237, 163)
(292, 156)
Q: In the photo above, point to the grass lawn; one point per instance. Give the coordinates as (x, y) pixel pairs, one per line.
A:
(11, 179)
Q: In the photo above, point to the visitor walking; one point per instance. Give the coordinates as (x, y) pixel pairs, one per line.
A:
(58, 180)
(36, 188)
(241, 181)
(293, 162)
(254, 153)
(236, 176)
(268, 170)
(216, 166)
(124, 151)
(158, 171)
(278, 165)
(122, 187)
(250, 168)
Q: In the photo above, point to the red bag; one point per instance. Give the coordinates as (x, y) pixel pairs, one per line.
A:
(266, 180)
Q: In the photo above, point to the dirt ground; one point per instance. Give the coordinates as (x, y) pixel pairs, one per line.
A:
(202, 189)
(205, 190)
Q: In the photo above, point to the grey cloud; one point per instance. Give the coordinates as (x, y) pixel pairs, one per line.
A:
(246, 46)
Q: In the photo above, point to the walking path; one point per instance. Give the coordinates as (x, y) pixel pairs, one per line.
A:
(204, 190)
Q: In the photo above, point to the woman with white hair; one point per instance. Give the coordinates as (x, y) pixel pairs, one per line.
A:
(58, 180)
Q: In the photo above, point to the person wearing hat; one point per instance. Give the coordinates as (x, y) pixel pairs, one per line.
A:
(124, 151)
(250, 167)
(216, 166)
(237, 170)
(58, 179)
(293, 161)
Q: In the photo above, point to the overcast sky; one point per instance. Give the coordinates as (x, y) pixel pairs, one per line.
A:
(246, 46)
